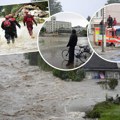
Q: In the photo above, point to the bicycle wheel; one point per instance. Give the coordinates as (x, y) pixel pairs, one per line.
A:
(65, 54)
(84, 56)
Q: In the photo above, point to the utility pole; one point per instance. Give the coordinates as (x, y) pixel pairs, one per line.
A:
(103, 32)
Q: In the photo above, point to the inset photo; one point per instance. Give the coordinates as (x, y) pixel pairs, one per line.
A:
(20, 24)
(104, 32)
(63, 42)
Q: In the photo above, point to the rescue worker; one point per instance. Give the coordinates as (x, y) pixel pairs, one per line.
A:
(14, 23)
(28, 21)
(114, 22)
(71, 44)
(110, 21)
(7, 26)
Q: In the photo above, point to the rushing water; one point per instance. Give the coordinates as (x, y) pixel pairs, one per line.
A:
(23, 44)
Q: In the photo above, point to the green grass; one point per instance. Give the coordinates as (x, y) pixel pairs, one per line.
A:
(111, 114)
(105, 111)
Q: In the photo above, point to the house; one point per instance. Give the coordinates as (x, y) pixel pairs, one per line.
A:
(97, 68)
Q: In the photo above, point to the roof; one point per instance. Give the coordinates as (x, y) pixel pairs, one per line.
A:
(97, 63)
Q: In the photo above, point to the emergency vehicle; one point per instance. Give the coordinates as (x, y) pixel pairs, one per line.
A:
(111, 37)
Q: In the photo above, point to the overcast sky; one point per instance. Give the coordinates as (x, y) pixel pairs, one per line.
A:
(75, 19)
(83, 7)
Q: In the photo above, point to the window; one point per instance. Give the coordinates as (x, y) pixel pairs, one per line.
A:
(101, 12)
(97, 14)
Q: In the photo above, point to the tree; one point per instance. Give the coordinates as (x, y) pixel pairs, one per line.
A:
(88, 18)
(55, 6)
(41, 5)
(1, 7)
(8, 9)
(113, 1)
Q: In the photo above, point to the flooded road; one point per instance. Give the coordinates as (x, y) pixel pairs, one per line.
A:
(51, 49)
(110, 53)
(24, 43)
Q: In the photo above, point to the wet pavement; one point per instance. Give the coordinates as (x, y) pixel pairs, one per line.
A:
(110, 53)
(51, 49)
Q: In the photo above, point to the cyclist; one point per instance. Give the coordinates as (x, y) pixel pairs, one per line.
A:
(71, 44)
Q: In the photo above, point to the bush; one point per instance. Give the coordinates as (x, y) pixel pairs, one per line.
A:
(77, 75)
(43, 65)
(61, 74)
(80, 75)
(19, 19)
(93, 114)
(112, 83)
(98, 109)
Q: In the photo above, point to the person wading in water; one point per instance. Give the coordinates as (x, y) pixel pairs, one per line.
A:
(7, 25)
(28, 21)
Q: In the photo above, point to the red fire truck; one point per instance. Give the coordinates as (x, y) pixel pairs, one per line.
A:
(111, 37)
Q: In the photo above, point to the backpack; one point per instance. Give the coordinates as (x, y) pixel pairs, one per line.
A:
(7, 23)
(12, 19)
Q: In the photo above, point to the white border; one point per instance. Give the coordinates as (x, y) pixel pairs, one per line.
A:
(23, 3)
(29, 51)
(47, 61)
(88, 33)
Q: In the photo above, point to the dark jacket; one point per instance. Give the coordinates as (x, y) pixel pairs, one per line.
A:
(110, 20)
(14, 23)
(72, 41)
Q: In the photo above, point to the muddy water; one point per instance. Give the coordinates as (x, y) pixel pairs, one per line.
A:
(28, 93)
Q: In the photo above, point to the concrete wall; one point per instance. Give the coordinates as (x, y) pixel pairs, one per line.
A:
(108, 74)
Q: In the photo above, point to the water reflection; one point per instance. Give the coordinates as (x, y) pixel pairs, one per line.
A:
(51, 49)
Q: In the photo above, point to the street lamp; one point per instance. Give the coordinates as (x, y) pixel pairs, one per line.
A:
(103, 32)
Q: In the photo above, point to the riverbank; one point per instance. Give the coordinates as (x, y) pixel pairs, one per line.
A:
(105, 111)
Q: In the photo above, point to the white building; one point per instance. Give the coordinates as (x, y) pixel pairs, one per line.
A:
(54, 26)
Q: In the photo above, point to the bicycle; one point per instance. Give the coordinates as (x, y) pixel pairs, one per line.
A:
(81, 53)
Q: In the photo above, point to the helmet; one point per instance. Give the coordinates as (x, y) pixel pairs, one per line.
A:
(7, 16)
(10, 15)
(26, 11)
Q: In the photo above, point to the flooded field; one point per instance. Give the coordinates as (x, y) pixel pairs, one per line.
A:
(51, 49)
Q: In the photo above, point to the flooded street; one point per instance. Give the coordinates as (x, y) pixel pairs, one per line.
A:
(110, 53)
(51, 49)
(24, 43)
(28, 93)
